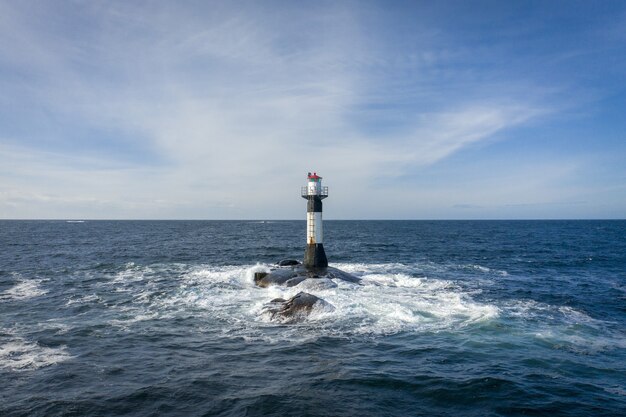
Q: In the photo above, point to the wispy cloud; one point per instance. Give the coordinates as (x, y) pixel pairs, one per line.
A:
(213, 106)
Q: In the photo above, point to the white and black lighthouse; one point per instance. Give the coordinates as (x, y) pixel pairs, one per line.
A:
(290, 272)
(314, 255)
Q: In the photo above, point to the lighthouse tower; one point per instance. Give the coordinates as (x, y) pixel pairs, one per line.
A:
(314, 255)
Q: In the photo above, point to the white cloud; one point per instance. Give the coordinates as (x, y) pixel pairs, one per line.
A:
(238, 102)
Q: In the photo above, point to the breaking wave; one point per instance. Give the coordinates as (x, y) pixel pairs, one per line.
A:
(17, 354)
(392, 298)
(384, 303)
(563, 327)
(24, 289)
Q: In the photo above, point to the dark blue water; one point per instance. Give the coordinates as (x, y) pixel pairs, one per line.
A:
(107, 318)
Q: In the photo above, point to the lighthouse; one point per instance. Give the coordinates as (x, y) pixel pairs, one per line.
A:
(290, 272)
(314, 193)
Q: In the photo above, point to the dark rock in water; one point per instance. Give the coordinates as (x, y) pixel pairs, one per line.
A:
(310, 284)
(295, 309)
(288, 262)
(258, 276)
(294, 275)
(295, 281)
(275, 277)
(299, 306)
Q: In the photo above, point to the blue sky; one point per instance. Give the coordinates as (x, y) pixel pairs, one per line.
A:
(217, 110)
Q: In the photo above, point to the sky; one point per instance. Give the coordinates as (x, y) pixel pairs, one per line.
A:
(407, 109)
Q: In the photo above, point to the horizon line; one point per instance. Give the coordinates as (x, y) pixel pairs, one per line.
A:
(304, 220)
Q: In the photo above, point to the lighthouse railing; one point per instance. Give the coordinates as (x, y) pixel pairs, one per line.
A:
(304, 191)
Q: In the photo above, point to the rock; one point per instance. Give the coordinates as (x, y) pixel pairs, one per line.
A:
(288, 262)
(292, 273)
(316, 284)
(295, 274)
(334, 273)
(296, 309)
(295, 281)
(258, 276)
(276, 277)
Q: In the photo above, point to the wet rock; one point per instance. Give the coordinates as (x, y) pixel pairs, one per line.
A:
(258, 276)
(288, 262)
(295, 309)
(294, 275)
(275, 277)
(295, 281)
(316, 284)
(334, 273)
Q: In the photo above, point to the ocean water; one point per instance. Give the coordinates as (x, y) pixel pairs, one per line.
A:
(467, 318)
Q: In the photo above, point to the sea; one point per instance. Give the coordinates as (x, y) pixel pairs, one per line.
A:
(451, 318)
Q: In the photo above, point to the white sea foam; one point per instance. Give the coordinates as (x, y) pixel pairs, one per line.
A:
(23, 290)
(129, 316)
(132, 273)
(426, 268)
(481, 268)
(384, 303)
(17, 354)
(484, 269)
(547, 313)
(563, 327)
(249, 273)
(313, 284)
(87, 299)
(391, 298)
(616, 390)
(382, 268)
(576, 341)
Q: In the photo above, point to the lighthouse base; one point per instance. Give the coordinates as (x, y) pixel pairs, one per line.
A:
(314, 256)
